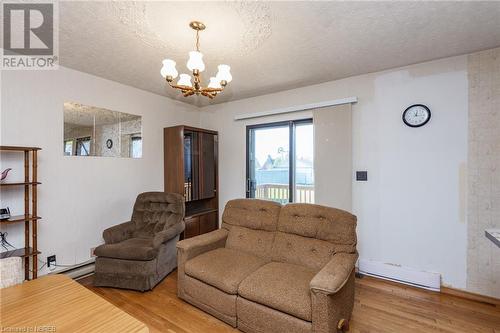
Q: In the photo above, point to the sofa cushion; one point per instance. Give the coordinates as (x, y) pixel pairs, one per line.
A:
(256, 242)
(223, 268)
(281, 286)
(130, 249)
(325, 223)
(303, 251)
(251, 213)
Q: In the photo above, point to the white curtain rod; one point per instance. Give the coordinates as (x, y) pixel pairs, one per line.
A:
(297, 108)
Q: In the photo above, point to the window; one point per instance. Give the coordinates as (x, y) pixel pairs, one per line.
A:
(83, 146)
(68, 147)
(136, 146)
(280, 161)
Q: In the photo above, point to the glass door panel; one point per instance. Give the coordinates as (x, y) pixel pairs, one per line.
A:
(269, 163)
(304, 163)
(191, 166)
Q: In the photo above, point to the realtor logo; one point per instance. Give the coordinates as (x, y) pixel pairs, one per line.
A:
(29, 35)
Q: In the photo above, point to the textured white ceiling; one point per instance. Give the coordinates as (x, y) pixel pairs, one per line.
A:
(270, 46)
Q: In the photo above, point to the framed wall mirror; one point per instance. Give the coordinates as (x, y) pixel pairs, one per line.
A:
(94, 131)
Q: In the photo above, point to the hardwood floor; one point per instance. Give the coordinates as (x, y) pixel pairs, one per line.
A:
(380, 306)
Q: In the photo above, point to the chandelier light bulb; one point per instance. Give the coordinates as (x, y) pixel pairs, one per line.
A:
(184, 80)
(168, 69)
(224, 73)
(214, 83)
(195, 61)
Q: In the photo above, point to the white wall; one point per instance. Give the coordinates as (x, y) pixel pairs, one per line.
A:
(409, 211)
(80, 196)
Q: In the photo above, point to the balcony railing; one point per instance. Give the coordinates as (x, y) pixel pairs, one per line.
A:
(280, 193)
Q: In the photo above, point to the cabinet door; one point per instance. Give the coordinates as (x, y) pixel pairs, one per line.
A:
(191, 165)
(192, 227)
(208, 165)
(208, 222)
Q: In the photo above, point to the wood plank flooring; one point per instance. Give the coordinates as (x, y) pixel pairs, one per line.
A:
(380, 307)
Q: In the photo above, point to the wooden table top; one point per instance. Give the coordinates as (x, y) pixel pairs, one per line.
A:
(56, 303)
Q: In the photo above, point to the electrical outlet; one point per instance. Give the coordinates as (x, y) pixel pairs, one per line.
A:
(51, 260)
(92, 252)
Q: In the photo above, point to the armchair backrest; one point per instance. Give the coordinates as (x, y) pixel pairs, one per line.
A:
(157, 211)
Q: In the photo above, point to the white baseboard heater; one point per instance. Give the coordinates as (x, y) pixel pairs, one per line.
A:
(79, 271)
(401, 274)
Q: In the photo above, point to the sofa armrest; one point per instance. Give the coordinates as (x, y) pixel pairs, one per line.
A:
(334, 275)
(167, 234)
(192, 247)
(118, 233)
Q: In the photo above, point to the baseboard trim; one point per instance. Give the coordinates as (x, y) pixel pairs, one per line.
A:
(446, 291)
(401, 274)
(470, 296)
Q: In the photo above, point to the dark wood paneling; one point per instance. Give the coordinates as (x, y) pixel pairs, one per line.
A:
(208, 165)
(192, 227)
(202, 208)
(173, 159)
(208, 222)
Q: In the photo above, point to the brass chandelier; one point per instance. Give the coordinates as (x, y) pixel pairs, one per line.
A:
(196, 66)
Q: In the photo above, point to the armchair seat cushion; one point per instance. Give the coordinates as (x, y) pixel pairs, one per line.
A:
(281, 286)
(223, 268)
(139, 248)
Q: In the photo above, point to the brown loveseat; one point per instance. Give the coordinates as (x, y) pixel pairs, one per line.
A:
(273, 268)
(140, 253)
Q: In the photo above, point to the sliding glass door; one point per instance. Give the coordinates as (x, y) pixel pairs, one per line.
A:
(280, 161)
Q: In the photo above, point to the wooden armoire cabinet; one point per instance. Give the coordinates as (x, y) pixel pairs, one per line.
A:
(190, 165)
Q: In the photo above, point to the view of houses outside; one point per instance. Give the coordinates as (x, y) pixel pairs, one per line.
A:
(272, 164)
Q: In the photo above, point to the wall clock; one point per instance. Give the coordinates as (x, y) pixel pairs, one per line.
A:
(416, 115)
(109, 143)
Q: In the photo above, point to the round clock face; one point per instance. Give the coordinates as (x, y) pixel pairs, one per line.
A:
(417, 115)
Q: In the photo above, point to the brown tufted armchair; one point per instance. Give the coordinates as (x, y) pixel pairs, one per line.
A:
(140, 253)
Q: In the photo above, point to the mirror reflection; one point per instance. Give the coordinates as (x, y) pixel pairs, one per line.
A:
(93, 131)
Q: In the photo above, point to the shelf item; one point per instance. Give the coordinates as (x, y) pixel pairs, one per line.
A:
(191, 160)
(22, 252)
(30, 216)
(20, 218)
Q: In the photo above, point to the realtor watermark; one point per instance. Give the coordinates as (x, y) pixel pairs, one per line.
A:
(30, 35)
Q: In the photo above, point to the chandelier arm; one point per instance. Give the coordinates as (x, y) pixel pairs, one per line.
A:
(189, 93)
(209, 95)
(213, 90)
(183, 88)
